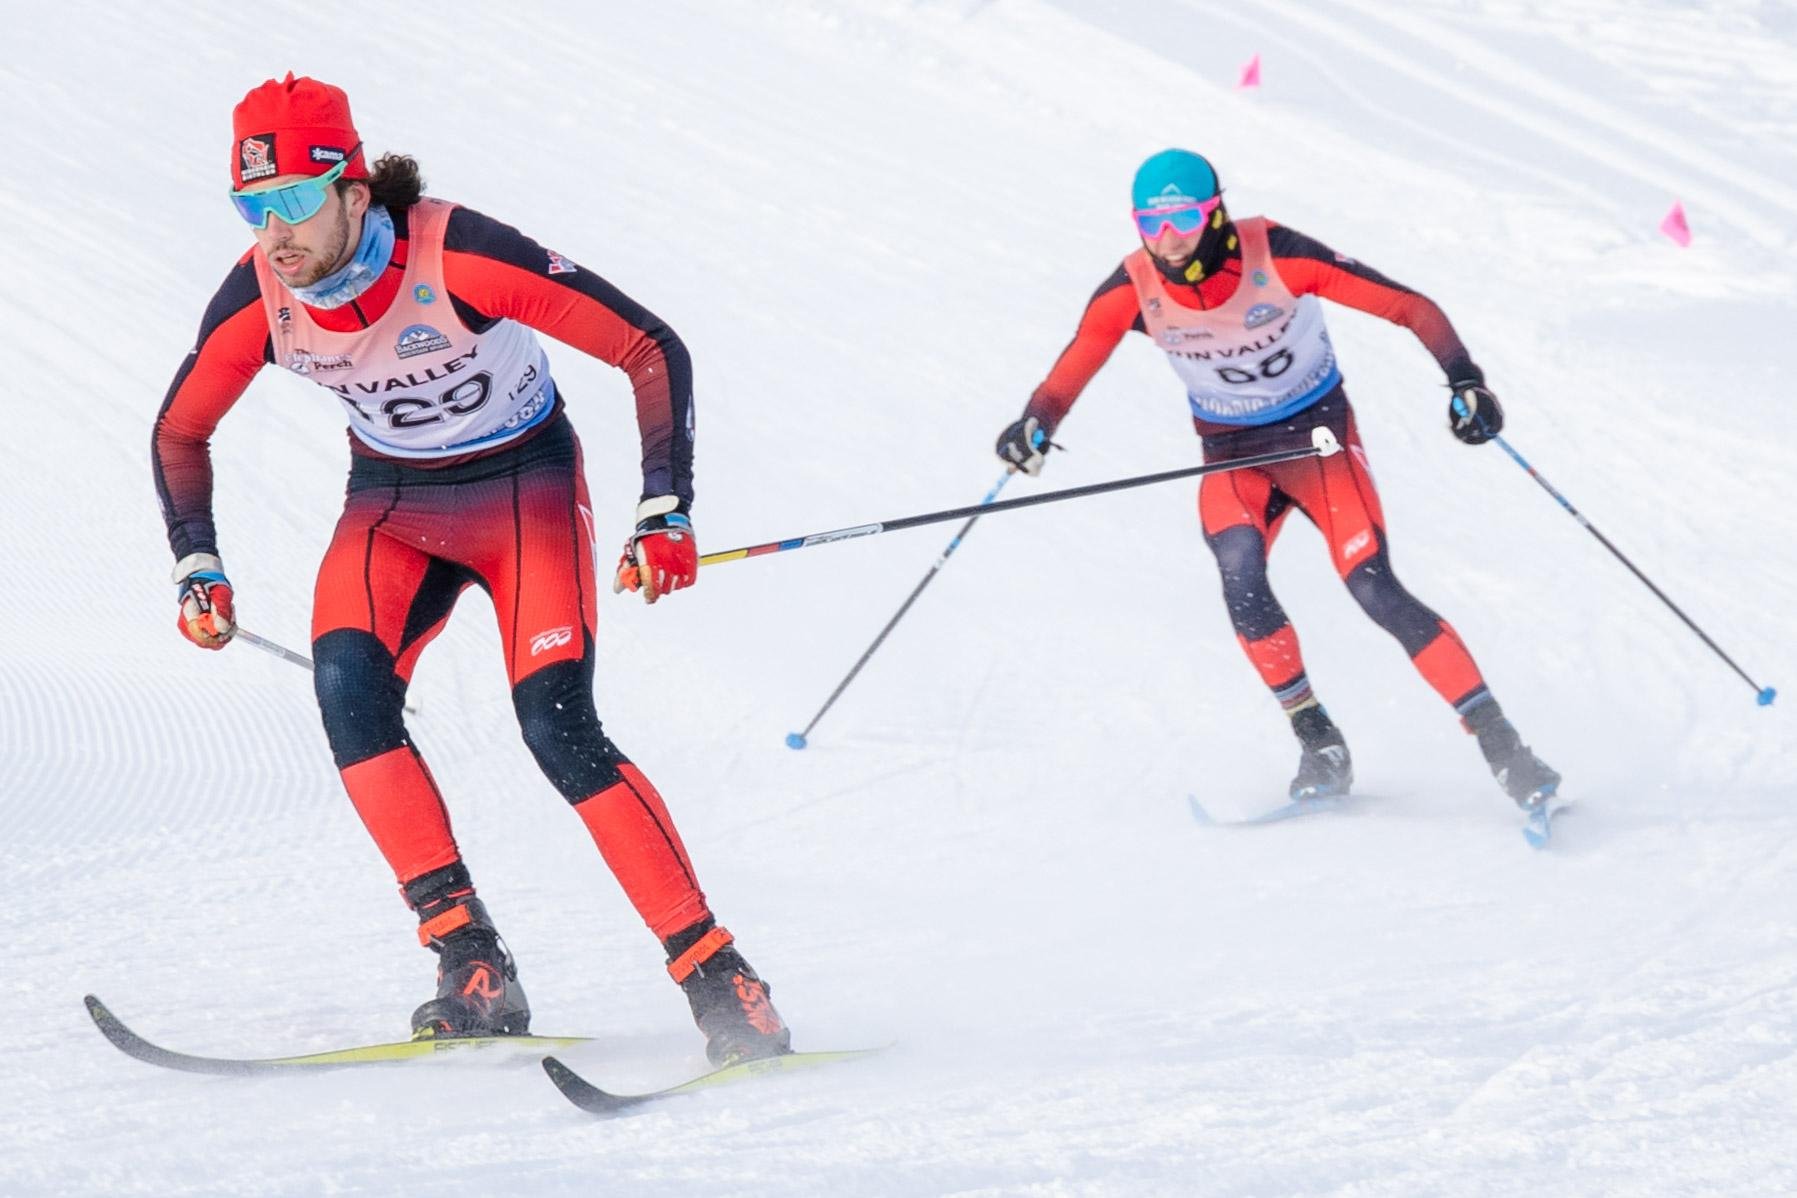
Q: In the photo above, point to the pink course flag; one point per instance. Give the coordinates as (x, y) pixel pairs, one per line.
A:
(1675, 226)
(1251, 73)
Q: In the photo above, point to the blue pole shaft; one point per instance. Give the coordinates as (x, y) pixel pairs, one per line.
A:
(1764, 695)
(796, 740)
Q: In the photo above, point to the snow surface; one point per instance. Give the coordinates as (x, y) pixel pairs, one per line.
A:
(875, 224)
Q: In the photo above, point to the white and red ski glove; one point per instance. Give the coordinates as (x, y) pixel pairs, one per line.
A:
(662, 554)
(208, 616)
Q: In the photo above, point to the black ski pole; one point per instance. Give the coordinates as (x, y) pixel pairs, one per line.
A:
(1762, 694)
(797, 740)
(1323, 444)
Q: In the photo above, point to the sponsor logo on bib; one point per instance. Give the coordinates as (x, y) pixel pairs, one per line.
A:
(305, 362)
(1261, 314)
(420, 339)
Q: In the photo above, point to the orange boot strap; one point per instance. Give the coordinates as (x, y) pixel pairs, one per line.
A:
(682, 967)
(439, 926)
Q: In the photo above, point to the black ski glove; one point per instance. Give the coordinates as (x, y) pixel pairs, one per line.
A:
(1474, 414)
(1023, 445)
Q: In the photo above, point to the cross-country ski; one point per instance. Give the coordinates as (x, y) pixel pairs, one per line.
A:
(590, 1098)
(134, 1045)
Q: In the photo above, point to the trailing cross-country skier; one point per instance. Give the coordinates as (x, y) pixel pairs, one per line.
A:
(417, 316)
(1233, 303)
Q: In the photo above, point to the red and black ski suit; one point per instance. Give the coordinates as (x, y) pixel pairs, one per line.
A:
(514, 521)
(1242, 511)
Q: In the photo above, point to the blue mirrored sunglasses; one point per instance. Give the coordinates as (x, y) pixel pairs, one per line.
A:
(292, 202)
(1184, 219)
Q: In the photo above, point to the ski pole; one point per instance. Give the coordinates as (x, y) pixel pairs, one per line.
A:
(1323, 444)
(286, 654)
(796, 740)
(1763, 695)
(268, 646)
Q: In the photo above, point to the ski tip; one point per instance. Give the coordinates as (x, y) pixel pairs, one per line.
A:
(584, 1094)
(1766, 696)
(570, 1083)
(795, 740)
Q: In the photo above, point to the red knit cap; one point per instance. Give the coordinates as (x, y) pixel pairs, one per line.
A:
(293, 127)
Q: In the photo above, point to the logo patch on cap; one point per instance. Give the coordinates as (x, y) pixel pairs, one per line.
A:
(559, 265)
(256, 157)
(326, 154)
(1170, 196)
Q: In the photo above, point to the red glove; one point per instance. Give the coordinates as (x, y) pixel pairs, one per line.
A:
(208, 617)
(661, 555)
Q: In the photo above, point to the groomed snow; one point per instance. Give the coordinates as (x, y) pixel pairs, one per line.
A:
(875, 224)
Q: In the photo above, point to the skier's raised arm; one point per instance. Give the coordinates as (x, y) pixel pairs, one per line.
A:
(1311, 268)
(495, 272)
(1109, 314)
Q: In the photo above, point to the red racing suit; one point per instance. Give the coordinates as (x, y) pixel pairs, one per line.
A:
(428, 515)
(1242, 511)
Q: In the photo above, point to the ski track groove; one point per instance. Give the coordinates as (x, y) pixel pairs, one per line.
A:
(221, 756)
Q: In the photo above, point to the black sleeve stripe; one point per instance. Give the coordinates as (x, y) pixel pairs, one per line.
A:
(1289, 243)
(471, 232)
(472, 318)
(194, 532)
(1119, 278)
(475, 233)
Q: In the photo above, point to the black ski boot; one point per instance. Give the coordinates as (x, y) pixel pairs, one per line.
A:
(477, 982)
(1325, 771)
(1526, 778)
(730, 1003)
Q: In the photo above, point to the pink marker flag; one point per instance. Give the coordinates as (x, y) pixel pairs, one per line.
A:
(1251, 73)
(1675, 226)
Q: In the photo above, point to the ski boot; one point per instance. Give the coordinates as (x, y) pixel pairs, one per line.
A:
(1325, 771)
(1527, 779)
(730, 1003)
(477, 982)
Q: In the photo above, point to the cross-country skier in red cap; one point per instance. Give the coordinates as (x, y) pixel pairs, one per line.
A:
(418, 316)
(1233, 304)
